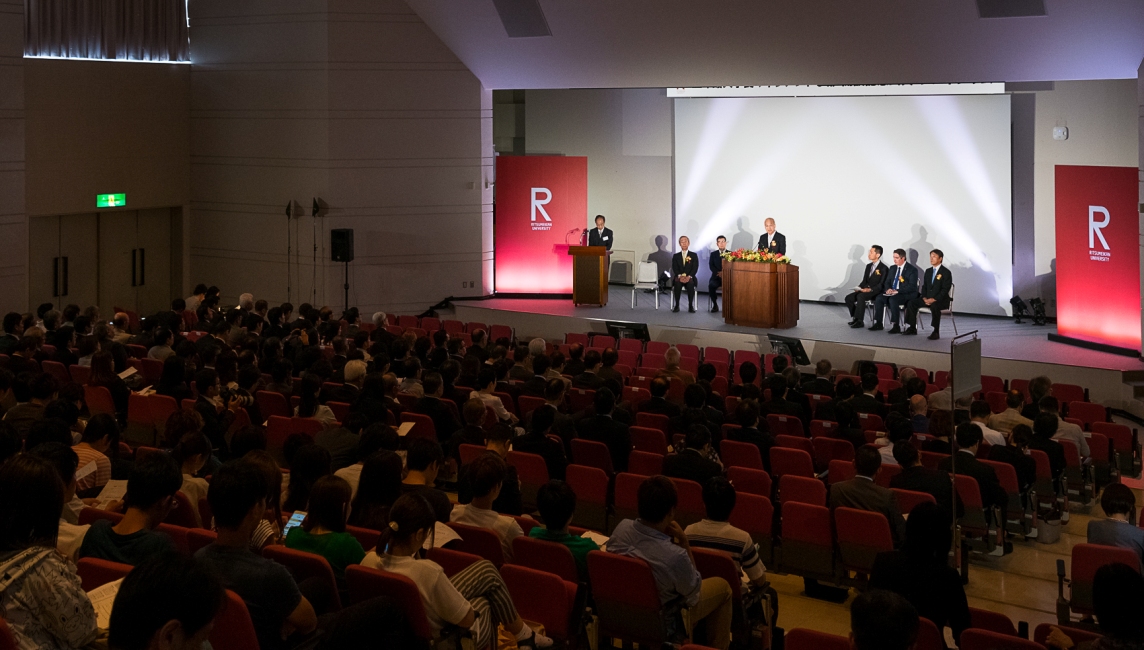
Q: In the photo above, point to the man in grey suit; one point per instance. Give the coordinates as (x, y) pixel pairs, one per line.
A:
(862, 493)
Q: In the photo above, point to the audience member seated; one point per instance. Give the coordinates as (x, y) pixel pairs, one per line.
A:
(602, 427)
(378, 487)
(323, 531)
(575, 363)
(822, 384)
(411, 377)
(473, 433)
(920, 571)
(1044, 430)
(94, 465)
(41, 390)
(372, 439)
(940, 431)
(1118, 503)
(522, 364)
(64, 460)
(898, 430)
(557, 503)
(882, 620)
(536, 441)
(968, 440)
(1006, 420)
(423, 461)
(165, 603)
(509, 501)
(919, 418)
(309, 407)
(658, 402)
(657, 538)
(1117, 599)
(693, 462)
(979, 413)
(748, 373)
(486, 475)
(161, 349)
(217, 416)
(173, 380)
(191, 454)
(753, 430)
(431, 404)
(41, 597)
(1015, 453)
(310, 463)
(868, 400)
(778, 404)
(150, 498)
(914, 476)
(474, 599)
(487, 385)
(671, 369)
(589, 379)
(269, 530)
(862, 493)
(715, 533)
(608, 360)
(1039, 387)
(103, 374)
(1065, 430)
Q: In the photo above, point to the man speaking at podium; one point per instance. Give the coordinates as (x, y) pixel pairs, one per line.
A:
(771, 241)
(684, 266)
(600, 236)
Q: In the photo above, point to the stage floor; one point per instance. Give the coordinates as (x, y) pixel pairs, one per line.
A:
(1001, 338)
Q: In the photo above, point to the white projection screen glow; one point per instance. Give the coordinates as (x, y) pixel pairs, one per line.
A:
(839, 174)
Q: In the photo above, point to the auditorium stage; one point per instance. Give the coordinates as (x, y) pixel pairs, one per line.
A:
(824, 332)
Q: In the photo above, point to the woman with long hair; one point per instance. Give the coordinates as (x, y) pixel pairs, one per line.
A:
(269, 530)
(378, 488)
(103, 374)
(323, 531)
(41, 597)
(191, 453)
(309, 407)
(477, 589)
(310, 463)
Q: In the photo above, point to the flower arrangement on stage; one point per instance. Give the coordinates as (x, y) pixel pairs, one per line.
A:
(755, 255)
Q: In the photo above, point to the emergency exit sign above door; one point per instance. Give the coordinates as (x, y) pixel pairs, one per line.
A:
(110, 200)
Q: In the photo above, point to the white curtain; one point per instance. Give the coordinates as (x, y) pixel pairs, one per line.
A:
(138, 30)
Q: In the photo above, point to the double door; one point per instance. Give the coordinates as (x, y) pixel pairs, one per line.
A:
(110, 259)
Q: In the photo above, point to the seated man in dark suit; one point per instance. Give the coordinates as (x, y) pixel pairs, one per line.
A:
(968, 439)
(536, 384)
(575, 363)
(607, 371)
(692, 463)
(658, 402)
(1014, 453)
(715, 265)
(684, 266)
(433, 406)
(867, 401)
(822, 384)
(589, 379)
(536, 441)
(862, 493)
(873, 279)
(900, 288)
(1044, 428)
(917, 478)
(602, 428)
(473, 433)
(753, 431)
(521, 369)
(778, 404)
(936, 284)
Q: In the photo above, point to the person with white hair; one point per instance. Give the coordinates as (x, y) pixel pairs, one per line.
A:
(246, 302)
(672, 359)
(353, 376)
(379, 319)
(536, 348)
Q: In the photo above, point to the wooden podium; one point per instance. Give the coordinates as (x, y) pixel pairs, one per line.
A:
(589, 275)
(760, 295)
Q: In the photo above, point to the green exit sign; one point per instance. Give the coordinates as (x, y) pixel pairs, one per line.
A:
(110, 200)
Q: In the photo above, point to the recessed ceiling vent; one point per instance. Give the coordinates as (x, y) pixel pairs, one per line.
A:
(1010, 8)
(522, 18)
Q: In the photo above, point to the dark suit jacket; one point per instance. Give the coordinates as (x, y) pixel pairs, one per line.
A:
(679, 267)
(715, 262)
(588, 380)
(602, 428)
(938, 287)
(932, 587)
(550, 450)
(441, 415)
(346, 393)
(520, 372)
(691, 465)
(777, 246)
(863, 403)
(660, 405)
(605, 373)
(864, 494)
(874, 277)
(596, 239)
(819, 386)
(1055, 452)
(215, 424)
(534, 386)
(908, 287)
(931, 481)
(1025, 466)
(992, 494)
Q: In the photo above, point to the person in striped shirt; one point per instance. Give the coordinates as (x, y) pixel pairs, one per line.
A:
(716, 533)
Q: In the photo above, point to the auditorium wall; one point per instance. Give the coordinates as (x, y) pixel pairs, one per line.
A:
(355, 103)
(13, 216)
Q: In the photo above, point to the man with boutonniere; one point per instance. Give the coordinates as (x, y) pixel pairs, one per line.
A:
(873, 281)
(684, 266)
(715, 264)
(935, 294)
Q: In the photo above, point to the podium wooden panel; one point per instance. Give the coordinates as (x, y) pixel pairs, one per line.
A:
(589, 275)
(760, 295)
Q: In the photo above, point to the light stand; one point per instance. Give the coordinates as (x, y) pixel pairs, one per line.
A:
(1019, 309)
(346, 287)
(1039, 316)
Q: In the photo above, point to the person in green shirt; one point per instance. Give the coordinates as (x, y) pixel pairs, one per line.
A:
(323, 531)
(557, 502)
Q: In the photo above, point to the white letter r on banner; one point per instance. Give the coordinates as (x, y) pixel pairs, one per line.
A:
(538, 204)
(1094, 227)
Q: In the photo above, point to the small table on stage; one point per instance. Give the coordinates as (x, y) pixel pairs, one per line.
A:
(589, 275)
(759, 294)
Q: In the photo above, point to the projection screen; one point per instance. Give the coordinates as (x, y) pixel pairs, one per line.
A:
(839, 174)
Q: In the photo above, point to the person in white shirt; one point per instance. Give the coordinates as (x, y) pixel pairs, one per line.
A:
(1065, 430)
(476, 589)
(487, 385)
(486, 475)
(411, 383)
(898, 428)
(979, 413)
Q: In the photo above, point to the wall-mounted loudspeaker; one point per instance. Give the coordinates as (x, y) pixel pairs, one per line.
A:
(342, 245)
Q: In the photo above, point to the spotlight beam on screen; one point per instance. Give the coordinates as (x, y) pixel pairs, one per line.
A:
(719, 123)
(947, 122)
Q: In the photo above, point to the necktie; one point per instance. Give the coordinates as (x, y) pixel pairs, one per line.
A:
(897, 276)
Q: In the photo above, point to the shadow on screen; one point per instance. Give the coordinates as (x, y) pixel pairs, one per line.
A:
(1047, 288)
(854, 271)
(662, 254)
(917, 251)
(744, 237)
(969, 275)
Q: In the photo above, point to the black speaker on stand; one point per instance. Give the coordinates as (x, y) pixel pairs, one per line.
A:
(342, 250)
